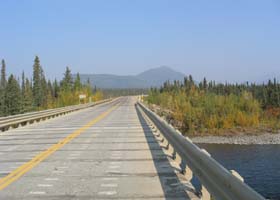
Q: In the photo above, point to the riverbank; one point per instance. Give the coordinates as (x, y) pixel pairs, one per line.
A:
(266, 138)
(242, 136)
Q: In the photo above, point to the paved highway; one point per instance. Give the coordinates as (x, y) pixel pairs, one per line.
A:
(104, 152)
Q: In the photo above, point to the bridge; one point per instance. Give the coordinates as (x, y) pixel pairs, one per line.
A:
(118, 149)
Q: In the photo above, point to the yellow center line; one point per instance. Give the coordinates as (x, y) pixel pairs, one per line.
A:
(21, 170)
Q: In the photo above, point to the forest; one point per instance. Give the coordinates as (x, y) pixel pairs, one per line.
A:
(20, 95)
(107, 93)
(216, 108)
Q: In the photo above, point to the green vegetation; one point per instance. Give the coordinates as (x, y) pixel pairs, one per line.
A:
(38, 93)
(210, 108)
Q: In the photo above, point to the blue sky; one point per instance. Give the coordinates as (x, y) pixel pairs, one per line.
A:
(224, 40)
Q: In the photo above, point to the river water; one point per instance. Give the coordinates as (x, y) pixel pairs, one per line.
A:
(259, 165)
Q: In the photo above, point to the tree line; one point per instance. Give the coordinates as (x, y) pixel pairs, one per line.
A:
(208, 107)
(20, 95)
(116, 92)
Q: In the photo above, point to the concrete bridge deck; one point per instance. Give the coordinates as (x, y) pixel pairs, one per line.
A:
(103, 152)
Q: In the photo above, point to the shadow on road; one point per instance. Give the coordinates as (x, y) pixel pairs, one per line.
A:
(171, 185)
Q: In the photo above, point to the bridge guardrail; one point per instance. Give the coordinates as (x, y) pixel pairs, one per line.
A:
(22, 119)
(219, 182)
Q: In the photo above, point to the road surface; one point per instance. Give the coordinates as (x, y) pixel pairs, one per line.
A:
(104, 152)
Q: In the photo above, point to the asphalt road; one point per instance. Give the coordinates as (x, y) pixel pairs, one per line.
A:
(104, 152)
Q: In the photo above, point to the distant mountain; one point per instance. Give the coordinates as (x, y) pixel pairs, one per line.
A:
(157, 76)
(150, 78)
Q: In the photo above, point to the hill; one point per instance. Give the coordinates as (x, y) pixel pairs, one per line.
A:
(151, 78)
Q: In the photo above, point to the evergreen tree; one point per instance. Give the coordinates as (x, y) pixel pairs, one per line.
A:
(3, 75)
(67, 82)
(28, 97)
(77, 83)
(3, 83)
(50, 95)
(205, 85)
(44, 102)
(2, 101)
(191, 80)
(66, 95)
(50, 87)
(37, 87)
(12, 97)
(55, 89)
(22, 83)
(22, 92)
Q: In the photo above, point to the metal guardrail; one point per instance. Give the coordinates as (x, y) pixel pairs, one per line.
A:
(22, 119)
(220, 183)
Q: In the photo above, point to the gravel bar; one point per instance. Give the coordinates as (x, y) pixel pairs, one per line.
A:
(267, 138)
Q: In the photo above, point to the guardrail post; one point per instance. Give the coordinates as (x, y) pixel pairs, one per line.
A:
(174, 154)
(167, 146)
(237, 175)
(188, 173)
(154, 129)
(205, 194)
(183, 166)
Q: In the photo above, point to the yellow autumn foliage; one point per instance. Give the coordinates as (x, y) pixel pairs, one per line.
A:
(199, 111)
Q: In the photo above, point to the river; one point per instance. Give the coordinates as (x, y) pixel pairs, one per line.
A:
(259, 165)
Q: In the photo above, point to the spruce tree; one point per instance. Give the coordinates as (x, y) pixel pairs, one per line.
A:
(3, 83)
(205, 84)
(28, 97)
(2, 101)
(37, 87)
(12, 97)
(50, 95)
(22, 82)
(67, 82)
(66, 96)
(55, 89)
(50, 87)
(44, 93)
(3, 74)
(22, 92)
(77, 83)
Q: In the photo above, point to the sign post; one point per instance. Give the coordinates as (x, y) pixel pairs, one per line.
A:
(82, 97)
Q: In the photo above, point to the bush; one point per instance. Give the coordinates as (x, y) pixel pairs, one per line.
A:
(198, 110)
